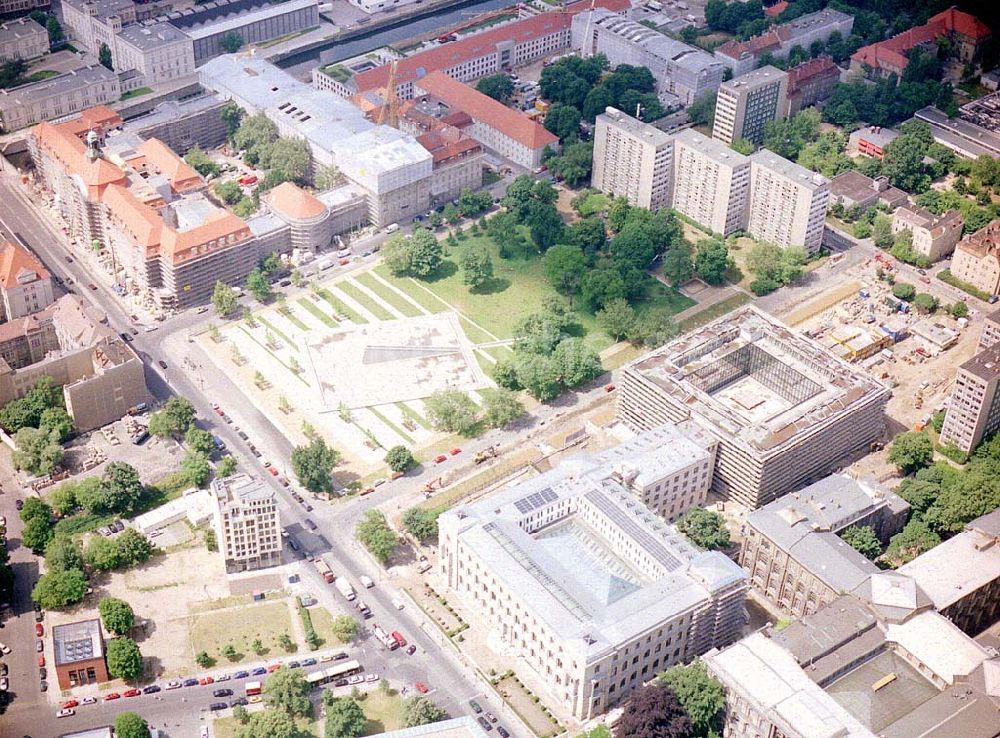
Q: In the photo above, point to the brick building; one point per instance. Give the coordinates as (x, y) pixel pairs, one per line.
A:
(79, 654)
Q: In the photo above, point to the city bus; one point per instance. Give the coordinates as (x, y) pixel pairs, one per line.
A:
(332, 673)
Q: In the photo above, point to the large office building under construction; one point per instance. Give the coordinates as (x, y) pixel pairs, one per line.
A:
(785, 411)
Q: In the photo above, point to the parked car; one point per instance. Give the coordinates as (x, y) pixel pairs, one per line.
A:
(151, 689)
(65, 713)
(206, 680)
(43, 686)
(174, 684)
(309, 661)
(293, 664)
(41, 660)
(192, 682)
(309, 524)
(162, 363)
(411, 650)
(43, 674)
(371, 677)
(223, 678)
(39, 646)
(241, 701)
(491, 717)
(132, 692)
(484, 723)
(112, 696)
(356, 679)
(421, 687)
(3, 669)
(340, 683)
(218, 706)
(3, 684)
(4, 648)
(273, 668)
(259, 671)
(339, 656)
(88, 701)
(241, 675)
(222, 693)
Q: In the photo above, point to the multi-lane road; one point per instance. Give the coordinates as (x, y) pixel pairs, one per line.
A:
(435, 663)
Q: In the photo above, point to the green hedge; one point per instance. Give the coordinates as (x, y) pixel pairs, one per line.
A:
(948, 278)
(312, 639)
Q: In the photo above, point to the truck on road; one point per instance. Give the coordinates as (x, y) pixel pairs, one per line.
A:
(387, 640)
(323, 568)
(345, 588)
(254, 688)
(366, 582)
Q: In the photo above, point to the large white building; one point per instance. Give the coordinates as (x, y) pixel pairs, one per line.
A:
(394, 170)
(784, 409)
(159, 52)
(247, 524)
(711, 182)
(683, 73)
(22, 38)
(632, 160)
(584, 583)
(788, 202)
(58, 97)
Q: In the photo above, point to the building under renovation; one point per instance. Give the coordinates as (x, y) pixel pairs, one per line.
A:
(786, 411)
(393, 169)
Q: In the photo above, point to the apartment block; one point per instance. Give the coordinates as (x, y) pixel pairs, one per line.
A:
(884, 665)
(632, 160)
(810, 83)
(58, 97)
(25, 283)
(962, 575)
(934, 236)
(977, 259)
(584, 584)
(788, 202)
(22, 38)
(991, 331)
(710, 182)
(744, 56)
(508, 132)
(974, 408)
(683, 73)
(159, 52)
(786, 412)
(747, 103)
(792, 549)
(247, 523)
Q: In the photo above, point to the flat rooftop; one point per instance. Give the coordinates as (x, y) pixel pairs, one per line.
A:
(64, 85)
(211, 24)
(715, 150)
(151, 36)
(755, 381)
(75, 642)
(759, 77)
(635, 127)
(790, 170)
(462, 727)
(599, 588)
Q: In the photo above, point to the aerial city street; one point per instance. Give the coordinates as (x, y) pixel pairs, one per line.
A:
(482, 369)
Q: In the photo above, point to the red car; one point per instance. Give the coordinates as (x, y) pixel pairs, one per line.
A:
(609, 388)
(132, 693)
(112, 696)
(344, 262)
(206, 680)
(440, 458)
(69, 704)
(421, 687)
(273, 668)
(41, 661)
(273, 470)
(39, 630)
(455, 451)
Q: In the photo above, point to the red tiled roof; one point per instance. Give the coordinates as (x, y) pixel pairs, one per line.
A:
(139, 221)
(777, 9)
(62, 142)
(181, 176)
(443, 57)
(447, 143)
(14, 261)
(891, 53)
(804, 72)
(757, 45)
(179, 246)
(294, 202)
(484, 108)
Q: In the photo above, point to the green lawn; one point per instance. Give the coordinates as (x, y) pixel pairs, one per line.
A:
(519, 288)
(388, 295)
(266, 621)
(413, 415)
(138, 92)
(324, 317)
(276, 331)
(593, 203)
(384, 712)
(392, 426)
(362, 298)
(288, 315)
(228, 727)
(340, 307)
(44, 74)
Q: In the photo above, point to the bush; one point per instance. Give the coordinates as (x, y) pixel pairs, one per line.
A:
(399, 458)
(911, 451)
(705, 528)
(117, 615)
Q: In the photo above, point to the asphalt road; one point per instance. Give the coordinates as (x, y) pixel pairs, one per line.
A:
(435, 663)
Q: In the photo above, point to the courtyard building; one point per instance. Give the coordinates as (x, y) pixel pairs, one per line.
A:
(158, 52)
(632, 159)
(786, 412)
(247, 523)
(584, 583)
(182, 125)
(934, 236)
(792, 548)
(79, 654)
(977, 259)
(747, 103)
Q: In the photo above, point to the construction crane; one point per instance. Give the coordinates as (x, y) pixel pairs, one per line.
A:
(389, 112)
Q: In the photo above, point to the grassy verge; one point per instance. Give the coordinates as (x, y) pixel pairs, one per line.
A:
(391, 426)
(340, 307)
(138, 92)
(276, 331)
(948, 278)
(388, 295)
(240, 627)
(363, 299)
(411, 287)
(328, 320)
(290, 317)
(274, 356)
(715, 311)
(413, 415)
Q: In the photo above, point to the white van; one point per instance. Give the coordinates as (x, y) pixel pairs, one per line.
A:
(392, 228)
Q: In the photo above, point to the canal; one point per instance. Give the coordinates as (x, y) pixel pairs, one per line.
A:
(442, 19)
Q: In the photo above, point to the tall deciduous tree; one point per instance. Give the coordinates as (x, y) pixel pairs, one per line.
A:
(653, 711)
(288, 690)
(701, 696)
(124, 659)
(313, 465)
(117, 615)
